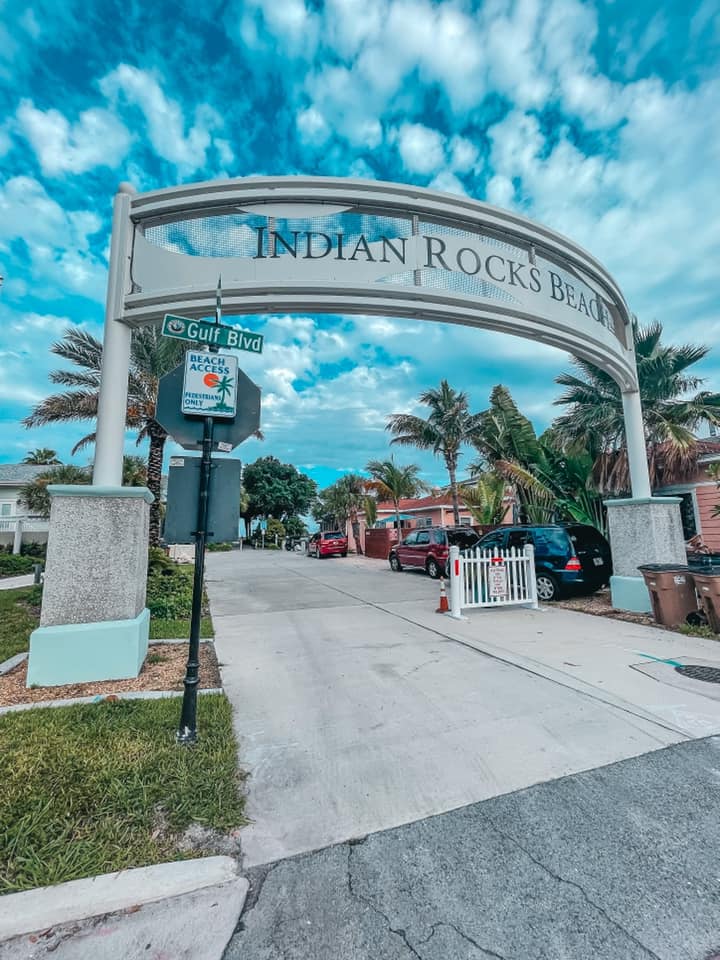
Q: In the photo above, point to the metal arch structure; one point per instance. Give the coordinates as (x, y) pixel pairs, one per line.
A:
(331, 245)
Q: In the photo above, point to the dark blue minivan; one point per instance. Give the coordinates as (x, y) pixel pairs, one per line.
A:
(569, 557)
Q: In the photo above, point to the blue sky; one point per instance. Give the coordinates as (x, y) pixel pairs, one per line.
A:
(597, 119)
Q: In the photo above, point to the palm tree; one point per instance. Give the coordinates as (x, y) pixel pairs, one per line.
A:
(671, 411)
(550, 479)
(42, 456)
(35, 493)
(448, 427)
(396, 483)
(486, 500)
(340, 503)
(152, 356)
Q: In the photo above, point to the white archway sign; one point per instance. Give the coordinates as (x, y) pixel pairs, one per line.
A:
(323, 245)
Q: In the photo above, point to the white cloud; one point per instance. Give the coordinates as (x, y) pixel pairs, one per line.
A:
(97, 139)
(57, 240)
(165, 120)
(421, 148)
(312, 126)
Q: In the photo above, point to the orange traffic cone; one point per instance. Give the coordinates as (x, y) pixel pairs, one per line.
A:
(444, 605)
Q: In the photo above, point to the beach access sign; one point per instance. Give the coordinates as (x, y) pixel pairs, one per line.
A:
(210, 385)
(211, 334)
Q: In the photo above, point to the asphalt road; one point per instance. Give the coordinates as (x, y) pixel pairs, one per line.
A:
(620, 863)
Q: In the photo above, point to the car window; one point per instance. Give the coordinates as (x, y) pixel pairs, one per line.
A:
(518, 538)
(462, 538)
(439, 536)
(335, 535)
(423, 537)
(551, 540)
(583, 536)
(492, 541)
(410, 539)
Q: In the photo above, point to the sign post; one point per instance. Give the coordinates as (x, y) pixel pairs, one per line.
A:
(187, 731)
(208, 386)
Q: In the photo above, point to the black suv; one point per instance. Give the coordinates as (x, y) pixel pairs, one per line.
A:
(569, 558)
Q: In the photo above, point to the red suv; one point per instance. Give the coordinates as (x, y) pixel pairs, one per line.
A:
(330, 543)
(427, 548)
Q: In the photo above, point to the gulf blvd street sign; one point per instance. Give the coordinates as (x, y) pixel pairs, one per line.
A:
(212, 334)
(210, 385)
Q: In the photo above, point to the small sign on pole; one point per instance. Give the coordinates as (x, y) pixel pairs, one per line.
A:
(210, 385)
(497, 581)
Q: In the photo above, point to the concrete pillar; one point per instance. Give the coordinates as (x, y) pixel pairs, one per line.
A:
(17, 539)
(112, 406)
(636, 446)
(642, 531)
(94, 624)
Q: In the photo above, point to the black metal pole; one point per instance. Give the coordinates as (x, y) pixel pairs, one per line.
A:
(187, 731)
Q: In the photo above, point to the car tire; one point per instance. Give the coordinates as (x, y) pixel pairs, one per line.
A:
(433, 569)
(547, 587)
(395, 563)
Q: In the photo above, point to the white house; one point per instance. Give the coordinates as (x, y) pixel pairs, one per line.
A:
(16, 524)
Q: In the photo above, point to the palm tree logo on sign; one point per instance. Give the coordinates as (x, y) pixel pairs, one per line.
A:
(223, 386)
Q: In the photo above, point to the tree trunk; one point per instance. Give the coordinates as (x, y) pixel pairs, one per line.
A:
(396, 504)
(154, 481)
(451, 467)
(355, 524)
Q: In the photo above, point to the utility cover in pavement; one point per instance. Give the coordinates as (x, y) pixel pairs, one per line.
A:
(187, 430)
(697, 671)
(182, 498)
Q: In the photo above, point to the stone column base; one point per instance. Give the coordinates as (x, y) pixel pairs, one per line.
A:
(641, 531)
(630, 593)
(86, 652)
(93, 623)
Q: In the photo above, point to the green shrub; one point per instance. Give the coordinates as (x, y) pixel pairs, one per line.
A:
(169, 592)
(219, 547)
(13, 565)
(32, 549)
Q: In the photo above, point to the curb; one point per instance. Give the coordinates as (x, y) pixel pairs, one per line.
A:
(7, 665)
(98, 698)
(187, 908)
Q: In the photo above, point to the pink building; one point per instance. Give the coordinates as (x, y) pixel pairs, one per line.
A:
(699, 496)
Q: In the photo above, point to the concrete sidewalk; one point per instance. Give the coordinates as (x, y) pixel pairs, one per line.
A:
(359, 709)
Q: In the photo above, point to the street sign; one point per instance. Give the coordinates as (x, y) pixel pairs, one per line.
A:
(212, 334)
(187, 431)
(182, 495)
(210, 384)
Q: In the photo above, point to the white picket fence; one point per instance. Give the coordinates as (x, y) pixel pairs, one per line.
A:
(492, 578)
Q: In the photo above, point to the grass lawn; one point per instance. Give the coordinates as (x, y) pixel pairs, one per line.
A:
(101, 787)
(178, 629)
(18, 619)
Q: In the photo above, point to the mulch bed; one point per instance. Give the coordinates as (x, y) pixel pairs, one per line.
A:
(599, 605)
(163, 670)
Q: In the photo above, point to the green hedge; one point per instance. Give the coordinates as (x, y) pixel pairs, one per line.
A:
(169, 592)
(13, 565)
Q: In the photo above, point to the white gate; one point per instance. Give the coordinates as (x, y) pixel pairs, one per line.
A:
(492, 578)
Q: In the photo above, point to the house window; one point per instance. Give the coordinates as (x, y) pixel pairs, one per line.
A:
(465, 521)
(688, 515)
(424, 521)
(6, 508)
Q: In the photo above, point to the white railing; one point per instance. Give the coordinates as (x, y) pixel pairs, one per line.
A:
(29, 524)
(492, 578)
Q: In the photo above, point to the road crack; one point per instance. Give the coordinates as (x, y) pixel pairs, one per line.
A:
(464, 936)
(573, 883)
(396, 931)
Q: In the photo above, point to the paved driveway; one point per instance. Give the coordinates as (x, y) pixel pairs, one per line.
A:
(359, 709)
